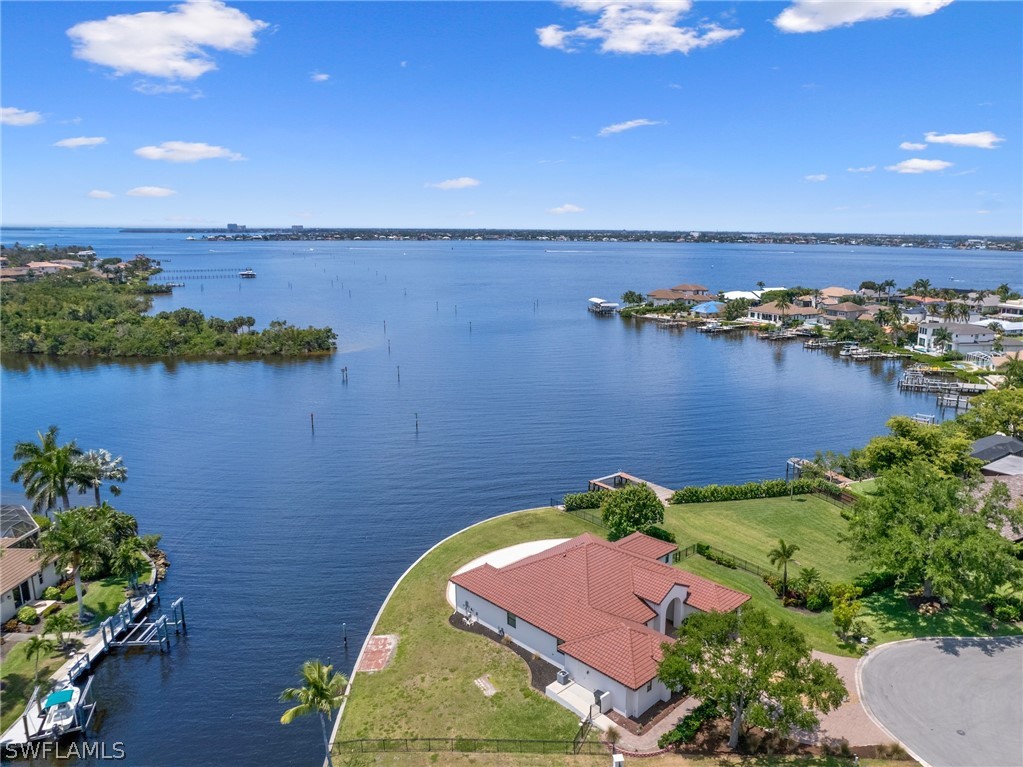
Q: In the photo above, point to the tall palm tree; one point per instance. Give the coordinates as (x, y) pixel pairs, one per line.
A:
(94, 467)
(816, 294)
(47, 470)
(35, 647)
(942, 337)
(1013, 372)
(887, 286)
(783, 304)
(922, 287)
(780, 556)
(77, 539)
(322, 692)
(129, 561)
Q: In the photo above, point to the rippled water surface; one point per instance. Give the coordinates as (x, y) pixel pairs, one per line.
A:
(278, 534)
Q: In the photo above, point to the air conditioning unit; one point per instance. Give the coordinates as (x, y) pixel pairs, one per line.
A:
(562, 677)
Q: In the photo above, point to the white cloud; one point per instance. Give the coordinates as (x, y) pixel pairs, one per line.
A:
(864, 169)
(635, 26)
(15, 116)
(821, 15)
(463, 182)
(911, 146)
(99, 194)
(161, 89)
(566, 208)
(150, 191)
(171, 44)
(319, 77)
(981, 140)
(629, 125)
(917, 165)
(817, 177)
(74, 143)
(184, 151)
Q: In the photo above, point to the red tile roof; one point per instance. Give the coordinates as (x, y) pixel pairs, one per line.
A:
(593, 595)
(646, 546)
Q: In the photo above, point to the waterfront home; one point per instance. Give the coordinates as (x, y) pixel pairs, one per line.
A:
(995, 446)
(770, 312)
(1008, 328)
(690, 294)
(965, 338)
(1010, 310)
(735, 295)
(24, 573)
(596, 610)
(846, 310)
(837, 292)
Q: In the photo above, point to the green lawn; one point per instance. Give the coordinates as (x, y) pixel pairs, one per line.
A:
(750, 529)
(863, 487)
(429, 690)
(102, 599)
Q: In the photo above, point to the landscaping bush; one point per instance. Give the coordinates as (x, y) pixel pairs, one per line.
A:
(1006, 608)
(590, 500)
(1006, 614)
(51, 609)
(816, 601)
(773, 582)
(871, 582)
(52, 593)
(707, 552)
(28, 616)
(69, 595)
(768, 488)
(660, 534)
(686, 730)
(11, 626)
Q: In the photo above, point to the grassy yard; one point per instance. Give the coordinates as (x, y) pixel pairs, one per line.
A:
(429, 690)
(863, 487)
(102, 599)
(750, 529)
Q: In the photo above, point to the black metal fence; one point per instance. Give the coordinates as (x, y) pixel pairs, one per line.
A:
(588, 515)
(837, 497)
(714, 554)
(471, 745)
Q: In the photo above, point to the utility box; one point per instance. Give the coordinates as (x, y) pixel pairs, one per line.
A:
(562, 677)
(617, 760)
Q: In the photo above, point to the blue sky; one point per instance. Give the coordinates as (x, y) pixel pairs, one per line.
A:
(901, 116)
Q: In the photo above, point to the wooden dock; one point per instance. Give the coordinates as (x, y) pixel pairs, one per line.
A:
(621, 479)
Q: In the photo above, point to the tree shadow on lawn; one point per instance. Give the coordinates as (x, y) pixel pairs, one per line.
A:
(895, 616)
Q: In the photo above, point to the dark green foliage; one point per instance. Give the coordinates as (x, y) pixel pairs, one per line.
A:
(873, 581)
(686, 730)
(28, 616)
(862, 331)
(632, 297)
(660, 533)
(736, 309)
(590, 500)
(51, 593)
(83, 315)
(69, 595)
(630, 508)
(1006, 608)
(707, 552)
(769, 488)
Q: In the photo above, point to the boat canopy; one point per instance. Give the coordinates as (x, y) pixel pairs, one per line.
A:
(56, 698)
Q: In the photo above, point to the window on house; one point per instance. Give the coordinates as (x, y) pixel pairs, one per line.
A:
(510, 620)
(40, 578)
(650, 685)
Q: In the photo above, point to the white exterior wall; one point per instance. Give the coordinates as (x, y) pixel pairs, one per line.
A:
(524, 633)
(640, 700)
(50, 578)
(592, 680)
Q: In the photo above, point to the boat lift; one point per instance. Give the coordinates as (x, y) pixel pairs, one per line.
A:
(34, 718)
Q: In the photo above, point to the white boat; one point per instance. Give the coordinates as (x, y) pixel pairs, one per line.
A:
(849, 349)
(246, 273)
(61, 710)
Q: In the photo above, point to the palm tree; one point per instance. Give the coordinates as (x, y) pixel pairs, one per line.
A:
(887, 286)
(780, 557)
(47, 470)
(129, 561)
(35, 647)
(941, 337)
(1013, 372)
(95, 466)
(783, 304)
(922, 287)
(60, 624)
(321, 692)
(816, 294)
(76, 539)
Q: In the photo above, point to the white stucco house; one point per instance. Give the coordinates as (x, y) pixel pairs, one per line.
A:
(965, 337)
(599, 611)
(24, 572)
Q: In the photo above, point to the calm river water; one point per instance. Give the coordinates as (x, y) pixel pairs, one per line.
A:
(278, 534)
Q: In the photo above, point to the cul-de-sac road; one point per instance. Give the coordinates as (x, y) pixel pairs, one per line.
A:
(951, 702)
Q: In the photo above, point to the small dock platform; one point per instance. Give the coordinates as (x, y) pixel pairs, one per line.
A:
(621, 479)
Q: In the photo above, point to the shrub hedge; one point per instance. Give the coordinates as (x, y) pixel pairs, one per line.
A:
(707, 552)
(660, 533)
(590, 500)
(768, 488)
(686, 730)
(871, 582)
(28, 616)
(52, 593)
(69, 594)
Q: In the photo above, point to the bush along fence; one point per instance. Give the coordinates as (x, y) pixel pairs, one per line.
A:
(471, 745)
(722, 558)
(768, 488)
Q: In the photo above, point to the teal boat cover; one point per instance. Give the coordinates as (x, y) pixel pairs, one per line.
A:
(56, 698)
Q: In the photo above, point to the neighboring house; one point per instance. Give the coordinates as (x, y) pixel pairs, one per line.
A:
(1008, 327)
(836, 291)
(1010, 310)
(771, 313)
(996, 446)
(846, 310)
(965, 337)
(24, 573)
(735, 295)
(690, 294)
(599, 611)
(46, 267)
(1009, 466)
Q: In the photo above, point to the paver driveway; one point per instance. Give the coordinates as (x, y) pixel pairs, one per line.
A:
(952, 702)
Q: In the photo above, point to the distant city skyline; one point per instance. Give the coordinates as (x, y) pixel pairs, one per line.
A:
(895, 116)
